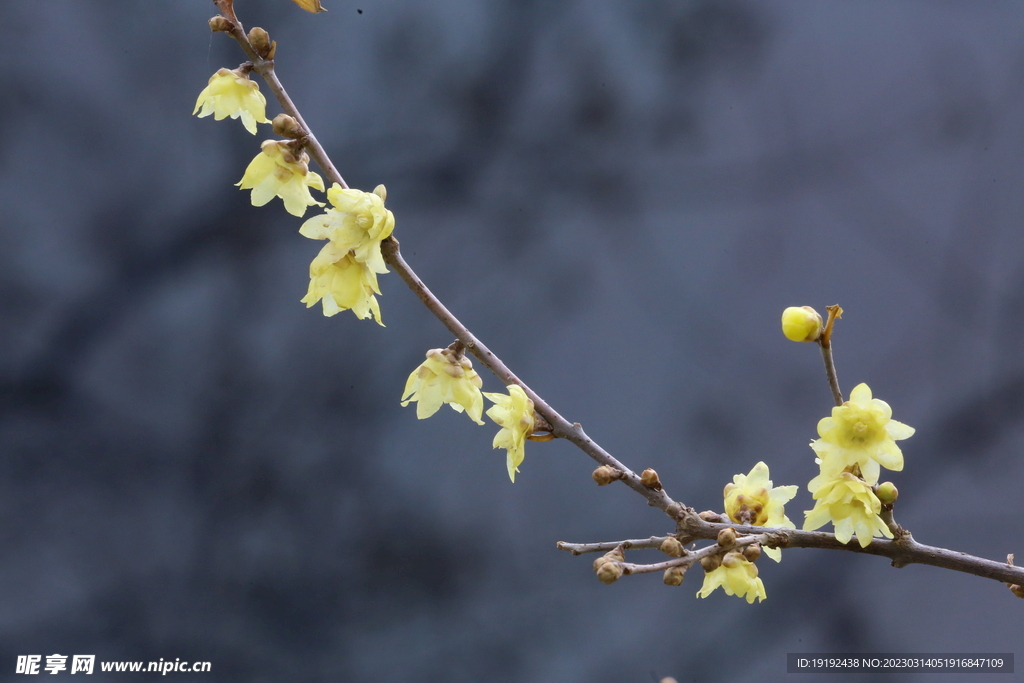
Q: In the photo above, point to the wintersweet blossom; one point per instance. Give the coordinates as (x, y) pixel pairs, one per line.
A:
(342, 283)
(850, 504)
(751, 499)
(277, 171)
(737, 576)
(514, 413)
(445, 377)
(231, 93)
(357, 222)
(860, 432)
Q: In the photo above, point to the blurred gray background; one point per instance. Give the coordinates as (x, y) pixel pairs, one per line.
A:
(619, 198)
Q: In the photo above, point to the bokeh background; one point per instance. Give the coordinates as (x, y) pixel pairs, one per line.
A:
(619, 198)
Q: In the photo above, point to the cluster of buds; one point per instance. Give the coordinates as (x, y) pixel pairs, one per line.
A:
(732, 569)
(608, 567)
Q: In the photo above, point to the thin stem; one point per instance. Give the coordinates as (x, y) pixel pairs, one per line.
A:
(830, 371)
(580, 548)
(825, 341)
(560, 426)
(903, 550)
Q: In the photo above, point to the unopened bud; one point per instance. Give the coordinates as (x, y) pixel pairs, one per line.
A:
(711, 516)
(609, 572)
(887, 493)
(674, 576)
(219, 24)
(733, 558)
(605, 475)
(260, 41)
(711, 562)
(801, 324)
(752, 552)
(649, 478)
(727, 537)
(287, 127)
(1017, 590)
(671, 547)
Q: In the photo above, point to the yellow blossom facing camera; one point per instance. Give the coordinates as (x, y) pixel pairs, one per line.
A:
(278, 172)
(860, 432)
(850, 504)
(514, 413)
(342, 283)
(231, 93)
(751, 499)
(357, 222)
(737, 576)
(445, 377)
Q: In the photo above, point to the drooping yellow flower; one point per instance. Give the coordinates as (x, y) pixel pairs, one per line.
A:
(737, 576)
(850, 504)
(514, 413)
(278, 172)
(231, 93)
(342, 283)
(860, 432)
(751, 499)
(445, 378)
(358, 222)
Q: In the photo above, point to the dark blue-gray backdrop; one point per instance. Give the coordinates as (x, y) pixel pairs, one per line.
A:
(619, 198)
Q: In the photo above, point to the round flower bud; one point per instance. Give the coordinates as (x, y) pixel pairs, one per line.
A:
(671, 547)
(219, 24)
(260, 41)
(801, 324)
(712, 516)
(1017, 590)
(609, 572)
(649, 478)
(887, 493)
(287, 127)
(674, 576)
(711, 562)
(604, 475)
(752, 552)
(727, 537)
(734, 558)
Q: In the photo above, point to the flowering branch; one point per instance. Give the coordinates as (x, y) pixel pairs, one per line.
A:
(855, 440)
(902, 551)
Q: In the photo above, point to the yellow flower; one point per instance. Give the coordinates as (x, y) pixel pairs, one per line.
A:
(278, 172)
(231, 93)
(737, 576)
(342, 283)
(801, 324)
(358, 222)
(514, 413)
(750, 499)
(860, 432)
(850, 504)
(445, 378)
